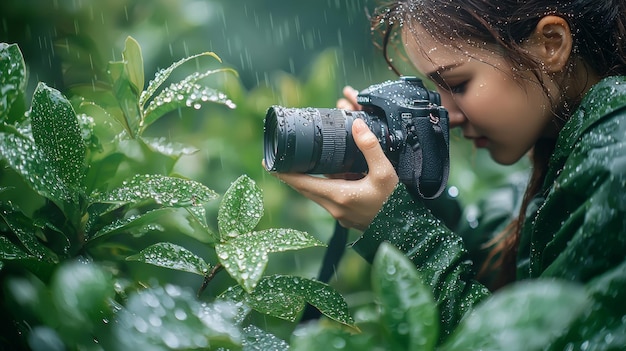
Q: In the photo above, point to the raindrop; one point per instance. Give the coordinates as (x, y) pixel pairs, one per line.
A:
(339, 343)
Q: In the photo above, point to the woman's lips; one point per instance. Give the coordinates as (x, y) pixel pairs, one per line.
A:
(480, 142)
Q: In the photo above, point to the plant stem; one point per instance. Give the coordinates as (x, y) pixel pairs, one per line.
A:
(209, 276)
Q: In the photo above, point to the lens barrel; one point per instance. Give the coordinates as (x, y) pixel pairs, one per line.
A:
(312, 140)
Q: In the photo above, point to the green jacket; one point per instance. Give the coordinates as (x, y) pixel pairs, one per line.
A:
(575, 228)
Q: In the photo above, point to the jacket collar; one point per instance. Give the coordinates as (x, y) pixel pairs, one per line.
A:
(604, 98)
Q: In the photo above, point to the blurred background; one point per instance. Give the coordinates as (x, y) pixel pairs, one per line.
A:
(290, 52)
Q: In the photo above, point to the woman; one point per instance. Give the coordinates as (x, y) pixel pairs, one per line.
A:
(543, 77)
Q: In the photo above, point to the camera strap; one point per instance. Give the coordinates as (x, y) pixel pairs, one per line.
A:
(425, 172)
(334, 252)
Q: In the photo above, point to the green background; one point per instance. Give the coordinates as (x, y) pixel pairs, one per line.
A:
(288, 52)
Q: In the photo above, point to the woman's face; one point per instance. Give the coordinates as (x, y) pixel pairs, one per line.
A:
(499, 111)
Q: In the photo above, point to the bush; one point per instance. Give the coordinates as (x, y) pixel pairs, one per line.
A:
(94, 194)
(85, 195)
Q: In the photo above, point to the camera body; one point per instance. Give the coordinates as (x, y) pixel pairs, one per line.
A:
(407, 119)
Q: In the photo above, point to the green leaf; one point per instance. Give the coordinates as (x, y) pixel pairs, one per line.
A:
(31, 297)
(245, 257)
(163, 190)
(126, 96)
(57, 134)
(285, 297)
(409, 312)
(171, 256)
(198, 218)
(136, 225)
(168, 148)
(186, 93)
(172, 220)
(171, 318)
(102, 171)
(10, 251)
(12, 77)
(24, 230)
(102, 116)
(21, 153)
(81, 292)
(134, 63)
(241, 208)
(602, 325)
(256, 339)
(162, 76)
(317, 336)
(524, 316)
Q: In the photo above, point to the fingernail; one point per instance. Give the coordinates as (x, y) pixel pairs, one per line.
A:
(359, 126)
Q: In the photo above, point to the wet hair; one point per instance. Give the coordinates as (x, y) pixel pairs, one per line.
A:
(598, 30)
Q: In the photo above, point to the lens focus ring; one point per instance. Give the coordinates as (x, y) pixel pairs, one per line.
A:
(334, 141)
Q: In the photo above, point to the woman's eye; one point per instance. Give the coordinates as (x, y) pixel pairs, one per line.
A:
(458, 88)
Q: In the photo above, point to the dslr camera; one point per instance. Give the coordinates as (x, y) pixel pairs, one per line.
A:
(407, 119)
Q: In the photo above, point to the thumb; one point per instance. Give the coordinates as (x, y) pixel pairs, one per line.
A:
(367, 142)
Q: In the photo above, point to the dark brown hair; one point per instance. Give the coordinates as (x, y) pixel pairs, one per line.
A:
(598, 29)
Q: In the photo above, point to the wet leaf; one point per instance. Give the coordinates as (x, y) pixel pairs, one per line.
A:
(87, 124)
(24, 230)
(126, 96)
(409, 312)
(107, 122)
(524, 316)
(171, 256)
(602, 326)
(31, 296)
(12, 77)
(81, 293)
(170, 318)
(163, 190)
(21, 153)
(57, 134)
(241, 208)
(53, 237)
(256, 339)
(134, 64)
(316, 336)
(198, 217)
(186, 93)
(285, 297)
(102, 171)
(245, 257)
(179, 221)
(162, 76)
(10, 251)
(168, 148)
(136, 224)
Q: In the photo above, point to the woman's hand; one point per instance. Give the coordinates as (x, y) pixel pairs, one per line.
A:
(354, 203)
(348, 102)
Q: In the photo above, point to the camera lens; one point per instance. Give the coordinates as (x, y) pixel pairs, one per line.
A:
(311, 140)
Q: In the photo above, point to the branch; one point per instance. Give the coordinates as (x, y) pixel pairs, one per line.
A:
(207, 278)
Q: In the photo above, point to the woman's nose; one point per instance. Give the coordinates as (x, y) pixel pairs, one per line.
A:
(456, 118)
(455, 115)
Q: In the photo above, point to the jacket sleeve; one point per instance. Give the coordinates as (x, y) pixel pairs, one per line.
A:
(437, 252)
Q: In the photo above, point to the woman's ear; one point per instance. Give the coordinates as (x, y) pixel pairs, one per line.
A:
(551, 43)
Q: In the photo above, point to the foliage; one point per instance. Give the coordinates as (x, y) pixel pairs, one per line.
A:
(526, 316)
(84, 193)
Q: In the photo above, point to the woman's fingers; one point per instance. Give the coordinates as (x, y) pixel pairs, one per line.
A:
(354, 203)
(348, 102)
(380, 168)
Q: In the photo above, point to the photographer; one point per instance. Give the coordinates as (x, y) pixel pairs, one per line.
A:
(538, 78)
